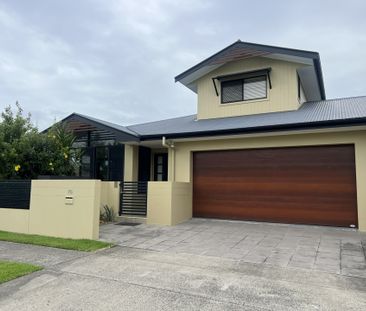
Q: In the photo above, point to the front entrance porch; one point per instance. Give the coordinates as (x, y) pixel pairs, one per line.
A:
(149, 189)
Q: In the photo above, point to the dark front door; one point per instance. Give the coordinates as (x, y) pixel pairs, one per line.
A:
(161, 167)
(116, 162)
(144, 164)
(102, 163)
(305, 185)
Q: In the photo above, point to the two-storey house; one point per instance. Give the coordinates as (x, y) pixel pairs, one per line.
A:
(264, 145)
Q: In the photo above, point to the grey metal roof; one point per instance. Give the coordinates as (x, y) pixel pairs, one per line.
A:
(340, 111)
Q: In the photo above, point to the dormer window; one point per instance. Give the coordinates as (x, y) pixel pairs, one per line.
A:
(244, 89)
(244, 86)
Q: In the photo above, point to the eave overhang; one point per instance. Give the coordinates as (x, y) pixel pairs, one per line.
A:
(261, 129)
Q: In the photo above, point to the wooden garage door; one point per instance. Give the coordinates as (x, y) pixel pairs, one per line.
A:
(305, 185)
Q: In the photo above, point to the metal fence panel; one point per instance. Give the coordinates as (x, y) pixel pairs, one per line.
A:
(133, 198)
(15, 194)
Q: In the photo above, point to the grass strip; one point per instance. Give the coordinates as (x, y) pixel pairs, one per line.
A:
(11, 270)
(83, 245)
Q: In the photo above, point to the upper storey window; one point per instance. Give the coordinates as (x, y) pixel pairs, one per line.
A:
(244, 89)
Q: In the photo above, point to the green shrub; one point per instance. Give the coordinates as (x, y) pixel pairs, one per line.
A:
(25, 153)
(108, 215)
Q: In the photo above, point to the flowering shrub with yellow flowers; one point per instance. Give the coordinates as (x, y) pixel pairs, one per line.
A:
(25, 153)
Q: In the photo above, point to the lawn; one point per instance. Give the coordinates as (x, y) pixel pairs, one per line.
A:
(73, 244)
(11, 270)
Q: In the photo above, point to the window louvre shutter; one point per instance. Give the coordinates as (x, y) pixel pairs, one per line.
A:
(232, 91)
(255, 88)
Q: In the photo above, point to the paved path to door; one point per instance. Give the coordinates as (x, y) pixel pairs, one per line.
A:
(328, 249)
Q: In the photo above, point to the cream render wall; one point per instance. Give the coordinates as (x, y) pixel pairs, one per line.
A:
(282, 97)
(159, 207)
(51, 214)
(183, 154)
(181, 202)
(169, 203)
(14, 220)
(131, 163)
(110, 193)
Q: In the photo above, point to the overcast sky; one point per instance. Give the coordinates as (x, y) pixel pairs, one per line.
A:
(116, 59)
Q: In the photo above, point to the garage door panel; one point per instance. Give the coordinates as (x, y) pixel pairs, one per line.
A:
(314, 185)
(274, 185)
(304, 175)
(296, 214)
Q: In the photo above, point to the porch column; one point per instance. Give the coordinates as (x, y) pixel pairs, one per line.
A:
(131, 163)
(171, 164)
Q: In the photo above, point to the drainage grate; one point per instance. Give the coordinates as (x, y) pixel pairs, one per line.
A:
(131, 224)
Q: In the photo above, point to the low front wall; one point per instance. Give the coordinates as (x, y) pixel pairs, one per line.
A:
(169, 203)
(110, 193)
(15, 220)
(51, 213)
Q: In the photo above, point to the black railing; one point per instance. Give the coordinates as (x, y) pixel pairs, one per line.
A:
(15, 194)
(133, 198)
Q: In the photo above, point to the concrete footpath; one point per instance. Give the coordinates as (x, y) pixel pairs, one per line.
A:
(127, 278)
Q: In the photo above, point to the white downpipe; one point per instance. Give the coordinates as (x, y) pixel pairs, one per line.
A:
(171, 153)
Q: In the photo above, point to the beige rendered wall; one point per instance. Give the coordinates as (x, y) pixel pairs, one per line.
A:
(110, 195)
(183, 154)
(131, 163)
(283, 95)
(181, 202)
(14, 220)
(159, 198)
(50, 215)
(169, 203)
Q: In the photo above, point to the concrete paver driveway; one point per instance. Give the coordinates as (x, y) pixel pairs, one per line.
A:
(334, 250)
(181, 268)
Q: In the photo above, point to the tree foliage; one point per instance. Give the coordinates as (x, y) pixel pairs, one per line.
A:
(25, 153)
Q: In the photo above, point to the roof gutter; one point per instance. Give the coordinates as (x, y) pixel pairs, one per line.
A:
(262, 129)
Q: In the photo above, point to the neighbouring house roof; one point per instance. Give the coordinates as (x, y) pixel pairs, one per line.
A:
(325, 113)
(311, 75)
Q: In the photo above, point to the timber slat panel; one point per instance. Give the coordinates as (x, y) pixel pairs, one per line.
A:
(304, 185)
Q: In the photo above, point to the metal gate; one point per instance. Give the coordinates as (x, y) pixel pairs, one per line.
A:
(133, 198)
